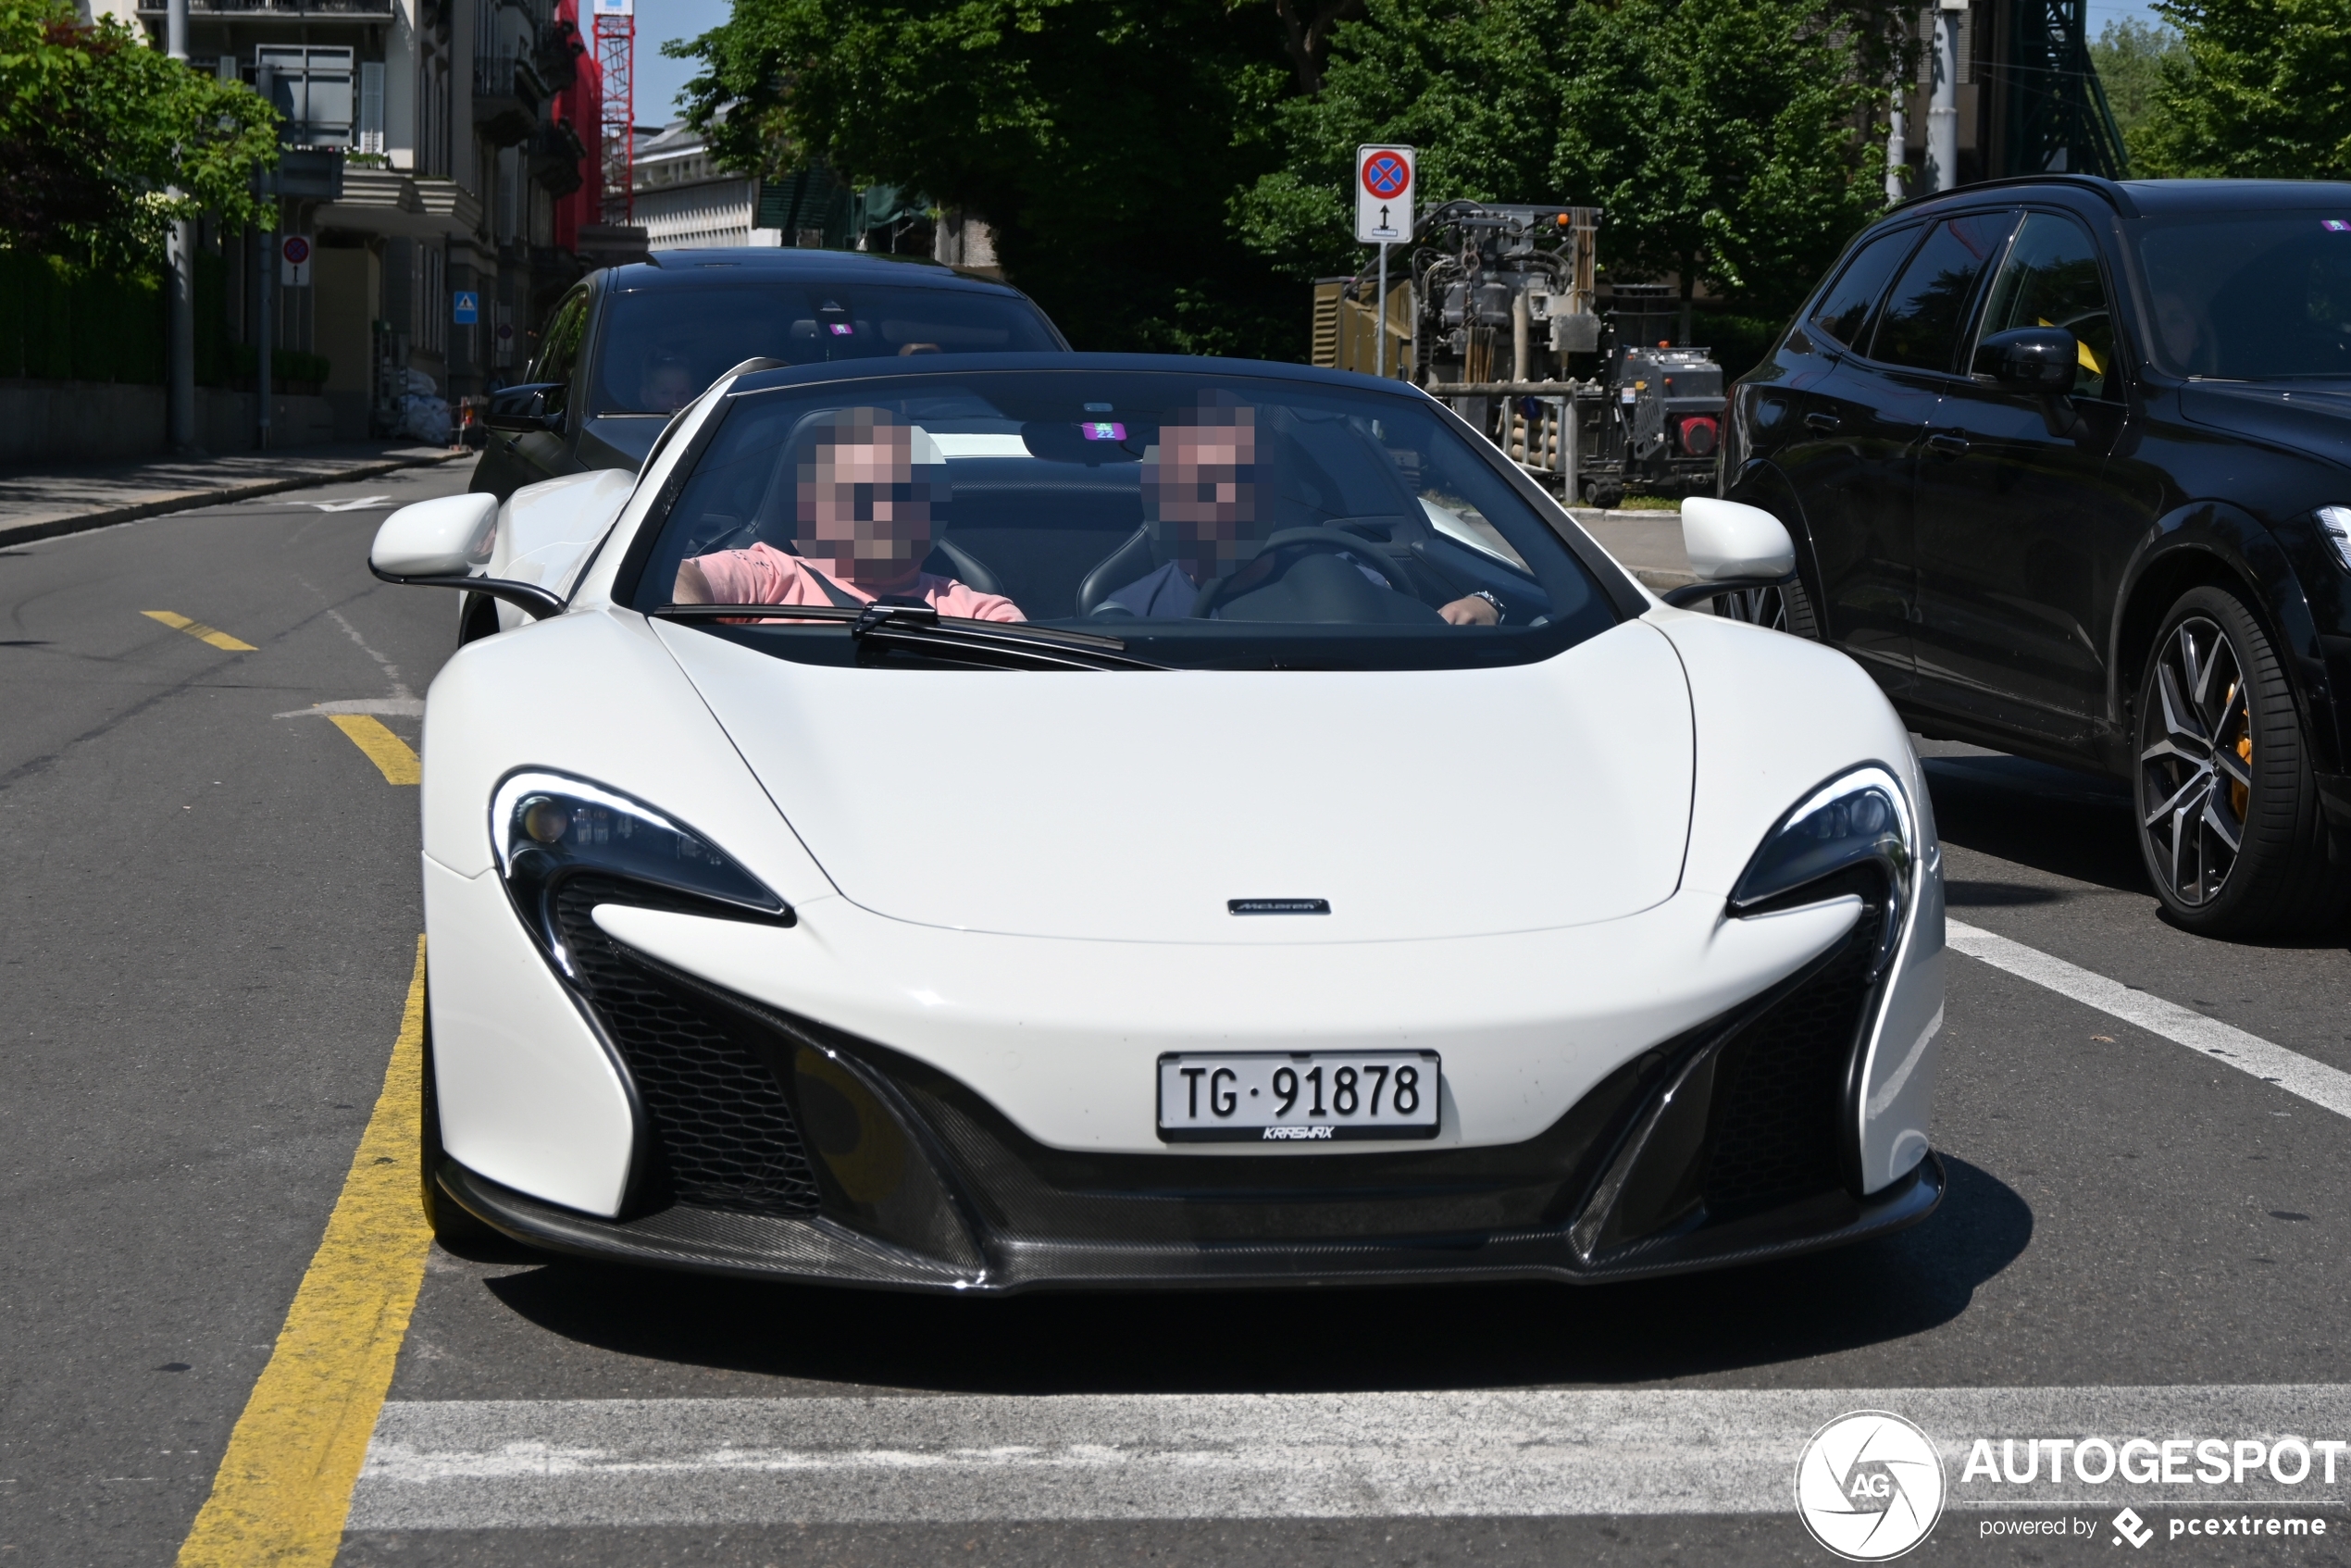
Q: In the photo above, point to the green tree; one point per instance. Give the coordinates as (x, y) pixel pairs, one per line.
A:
(96, 129)
(2256, 89)
(1728, 141)
(1102, 140)
(2129, 56)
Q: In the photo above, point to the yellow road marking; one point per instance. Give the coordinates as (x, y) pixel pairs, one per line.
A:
(387, 751)
(200, 631)
(284, 1486)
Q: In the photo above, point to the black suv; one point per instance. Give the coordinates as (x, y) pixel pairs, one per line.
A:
(630, 345)
(2068, 466)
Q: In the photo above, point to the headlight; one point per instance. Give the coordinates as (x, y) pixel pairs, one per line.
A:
(547, 828)
(2335, 523)
(1857, 823)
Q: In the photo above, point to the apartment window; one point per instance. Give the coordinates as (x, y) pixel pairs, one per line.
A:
(371, 107)
(312, 88)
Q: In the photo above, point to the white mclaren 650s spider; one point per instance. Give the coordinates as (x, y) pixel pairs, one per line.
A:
(982, 823)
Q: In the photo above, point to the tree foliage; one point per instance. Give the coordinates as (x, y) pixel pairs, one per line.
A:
(2257, 88)
(1101, 140)
(1728, 141)
(1158, 173)
(96, 129)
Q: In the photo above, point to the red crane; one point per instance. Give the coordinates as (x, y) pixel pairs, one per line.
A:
(617, 137)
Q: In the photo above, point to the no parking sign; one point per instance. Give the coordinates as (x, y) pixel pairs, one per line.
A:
(1384, 194)
(293, 262)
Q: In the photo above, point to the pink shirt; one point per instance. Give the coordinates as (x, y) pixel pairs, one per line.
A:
(764, 575)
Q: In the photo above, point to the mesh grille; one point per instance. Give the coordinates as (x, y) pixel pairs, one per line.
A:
(1783, 1087)
(726, 1134)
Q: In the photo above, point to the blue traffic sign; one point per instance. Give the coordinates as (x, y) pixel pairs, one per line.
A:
(466, 307)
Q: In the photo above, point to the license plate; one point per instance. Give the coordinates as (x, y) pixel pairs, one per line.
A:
(1302, 1097)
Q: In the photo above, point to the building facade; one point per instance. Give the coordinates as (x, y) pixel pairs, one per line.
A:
(440, 166)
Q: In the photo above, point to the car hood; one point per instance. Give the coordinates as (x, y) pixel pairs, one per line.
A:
(1135, 806)
(2313, 418)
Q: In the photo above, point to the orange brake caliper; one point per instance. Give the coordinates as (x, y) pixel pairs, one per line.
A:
(2244, 755)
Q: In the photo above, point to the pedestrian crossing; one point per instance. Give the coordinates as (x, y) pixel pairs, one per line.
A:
(479, 1464)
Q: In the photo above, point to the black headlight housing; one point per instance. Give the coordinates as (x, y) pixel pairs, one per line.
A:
(546, 827)
(1855, 834)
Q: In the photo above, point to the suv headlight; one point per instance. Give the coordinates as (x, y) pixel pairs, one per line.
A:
(1851, 831)
(2335, 523)
(547, 827)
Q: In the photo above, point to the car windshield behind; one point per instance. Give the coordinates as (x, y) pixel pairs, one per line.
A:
(662, 346)
(2250, 296)
(1203, 520)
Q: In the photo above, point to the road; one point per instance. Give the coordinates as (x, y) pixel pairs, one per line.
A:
(210, 928)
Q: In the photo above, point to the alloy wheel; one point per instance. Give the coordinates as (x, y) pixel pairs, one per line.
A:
(2196, 761)
(1766, 607)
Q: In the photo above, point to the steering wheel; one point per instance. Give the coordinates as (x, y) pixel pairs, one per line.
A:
(1308, 541)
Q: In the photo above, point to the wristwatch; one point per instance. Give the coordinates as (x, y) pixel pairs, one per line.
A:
(1489, 596)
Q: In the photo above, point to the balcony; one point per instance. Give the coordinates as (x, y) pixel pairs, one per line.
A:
(280, 10)
(556, 156)
(507, 92)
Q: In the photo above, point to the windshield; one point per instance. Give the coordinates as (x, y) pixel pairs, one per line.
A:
(1200, 521)
(2250, 296)
(662, 346)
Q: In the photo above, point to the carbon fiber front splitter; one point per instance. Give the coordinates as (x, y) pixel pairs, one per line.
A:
(814, 1249)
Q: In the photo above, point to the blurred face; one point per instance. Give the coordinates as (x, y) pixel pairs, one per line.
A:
(2177, 323)
(861, 508)
(667, 388)
(1204, 485)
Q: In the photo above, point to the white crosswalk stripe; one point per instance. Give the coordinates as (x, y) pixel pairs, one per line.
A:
(2296, 1074)
(900, 1459)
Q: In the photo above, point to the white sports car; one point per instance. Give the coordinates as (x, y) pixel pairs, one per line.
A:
(1109, 821)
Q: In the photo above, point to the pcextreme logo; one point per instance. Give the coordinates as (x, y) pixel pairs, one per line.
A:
(1868, 1486)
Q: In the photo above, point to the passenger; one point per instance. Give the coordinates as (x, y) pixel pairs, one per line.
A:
(1201, 484)
(665, 386)
(867, 486)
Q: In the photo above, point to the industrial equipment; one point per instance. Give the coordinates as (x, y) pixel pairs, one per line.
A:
(1500, 316)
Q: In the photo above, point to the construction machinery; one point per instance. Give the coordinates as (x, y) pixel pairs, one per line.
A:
(1500, 315)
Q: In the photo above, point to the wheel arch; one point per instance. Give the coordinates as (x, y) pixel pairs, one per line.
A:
(1761, 483)
(2212, 543)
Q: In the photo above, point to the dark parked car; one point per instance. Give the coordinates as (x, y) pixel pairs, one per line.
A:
(2067, 463)
(630, 345)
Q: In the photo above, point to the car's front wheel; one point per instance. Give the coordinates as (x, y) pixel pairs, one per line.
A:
(2229, 814)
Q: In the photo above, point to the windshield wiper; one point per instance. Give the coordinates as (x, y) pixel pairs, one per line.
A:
(950, 638)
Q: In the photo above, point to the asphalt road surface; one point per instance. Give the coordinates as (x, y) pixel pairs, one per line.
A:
(208, 927)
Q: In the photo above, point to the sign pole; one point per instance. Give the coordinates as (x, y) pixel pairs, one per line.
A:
(1383, 216)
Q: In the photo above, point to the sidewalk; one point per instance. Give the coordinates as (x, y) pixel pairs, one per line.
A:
(1647, 545)
(39, 502)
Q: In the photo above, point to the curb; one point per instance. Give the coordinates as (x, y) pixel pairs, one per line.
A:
(82, 522)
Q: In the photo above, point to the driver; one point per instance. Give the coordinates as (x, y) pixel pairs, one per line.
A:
(1199, 484)
(866, 487)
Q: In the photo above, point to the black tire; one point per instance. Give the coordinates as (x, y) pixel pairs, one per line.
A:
(452, 1226)
(2230, 822)
(1787, 608)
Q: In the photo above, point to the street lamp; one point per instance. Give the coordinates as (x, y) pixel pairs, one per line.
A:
(180, 419)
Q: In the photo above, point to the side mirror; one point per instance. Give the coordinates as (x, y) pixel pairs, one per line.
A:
(523, 409)
(1728, 540)
(2040, 361)
(448, 537)
(437, 543)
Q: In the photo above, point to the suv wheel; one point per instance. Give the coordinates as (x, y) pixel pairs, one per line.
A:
(2229, 814)
(1787, 608)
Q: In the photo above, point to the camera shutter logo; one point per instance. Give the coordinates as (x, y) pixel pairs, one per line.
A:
(1868, 1486)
